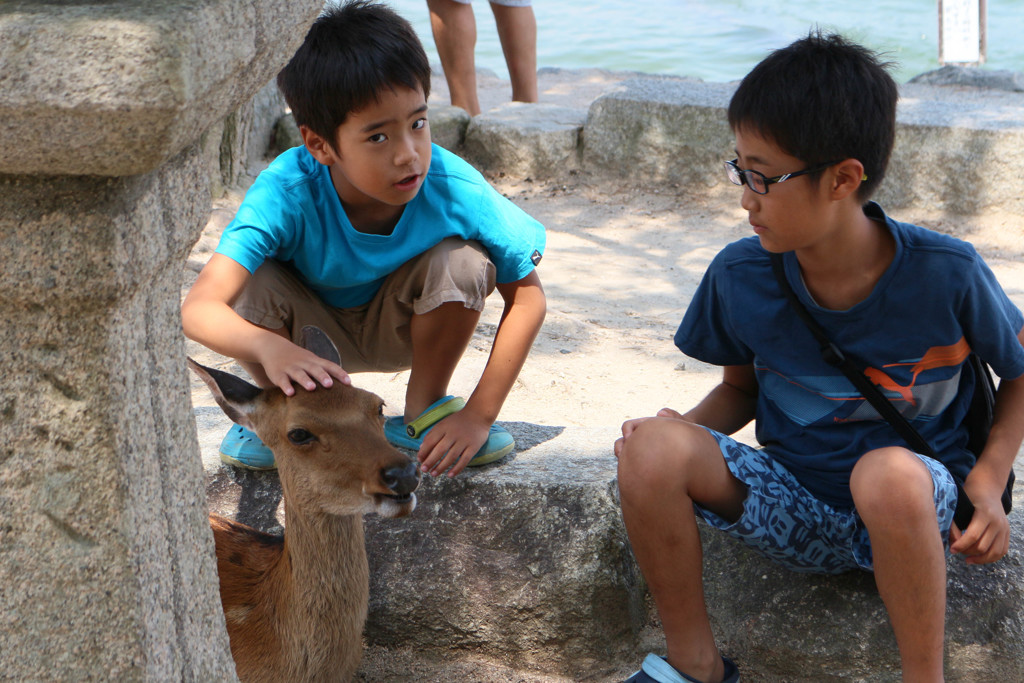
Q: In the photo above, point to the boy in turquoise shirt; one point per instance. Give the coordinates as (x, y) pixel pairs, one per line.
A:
(386, 242)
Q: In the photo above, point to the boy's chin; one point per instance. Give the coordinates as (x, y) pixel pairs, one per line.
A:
(769, 246)
(405, 200)
(398, 197)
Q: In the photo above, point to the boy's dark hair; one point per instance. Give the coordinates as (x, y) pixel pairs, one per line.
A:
(822, 99)
(351, 53)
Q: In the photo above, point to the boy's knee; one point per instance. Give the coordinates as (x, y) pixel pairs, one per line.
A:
(455, 270)
(889, 478)
(658, 450)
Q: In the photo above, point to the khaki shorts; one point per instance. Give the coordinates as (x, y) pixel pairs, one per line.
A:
(374, 336)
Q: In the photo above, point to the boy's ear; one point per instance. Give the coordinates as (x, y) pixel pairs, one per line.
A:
(321, 149)
(846, 177)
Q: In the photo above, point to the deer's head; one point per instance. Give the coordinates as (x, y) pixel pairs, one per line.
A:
(329, 444)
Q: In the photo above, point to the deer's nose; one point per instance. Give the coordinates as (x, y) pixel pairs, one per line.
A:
(401, 480)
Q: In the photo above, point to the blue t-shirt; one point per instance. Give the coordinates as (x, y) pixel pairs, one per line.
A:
(292, 213)
(935, 303)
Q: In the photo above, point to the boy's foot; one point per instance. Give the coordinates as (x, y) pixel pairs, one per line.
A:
(499, 442)
(656, 669)
(242, 448)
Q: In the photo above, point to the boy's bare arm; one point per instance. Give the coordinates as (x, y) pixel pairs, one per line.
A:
(987, 537)
(521, 320)
(207, 317)
(731, 405)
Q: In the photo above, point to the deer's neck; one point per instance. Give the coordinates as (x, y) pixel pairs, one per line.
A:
(324, 557)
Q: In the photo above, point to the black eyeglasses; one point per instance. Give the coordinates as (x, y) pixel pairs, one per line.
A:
(757, 181)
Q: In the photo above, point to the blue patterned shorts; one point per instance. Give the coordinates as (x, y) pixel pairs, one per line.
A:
(784, 522)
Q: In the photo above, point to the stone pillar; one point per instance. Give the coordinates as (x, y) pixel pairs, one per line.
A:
(106, 559)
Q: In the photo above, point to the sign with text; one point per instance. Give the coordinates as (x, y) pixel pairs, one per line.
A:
(962, 31)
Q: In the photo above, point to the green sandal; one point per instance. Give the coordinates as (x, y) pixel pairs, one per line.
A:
(499, 442)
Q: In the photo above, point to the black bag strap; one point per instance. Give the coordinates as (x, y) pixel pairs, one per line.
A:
(832, 355)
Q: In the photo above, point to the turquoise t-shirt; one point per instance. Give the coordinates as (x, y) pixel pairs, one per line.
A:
(292, 214)
(937, 302)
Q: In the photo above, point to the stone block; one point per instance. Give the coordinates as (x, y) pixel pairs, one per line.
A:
(958, 150)
(657, 129)
(524, 140)
(529, 563)
(532, 569)
(973, 77)
(268, 107)
(106, 559)
(237, 147)
(286, 134)
(448, 126)
(247, 135)
(125, 86)
(106, 556)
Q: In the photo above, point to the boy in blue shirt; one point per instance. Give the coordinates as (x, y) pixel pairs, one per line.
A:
(387, 243)
(833, 487)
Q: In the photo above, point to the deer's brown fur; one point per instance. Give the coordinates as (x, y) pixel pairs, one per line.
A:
(295, 606)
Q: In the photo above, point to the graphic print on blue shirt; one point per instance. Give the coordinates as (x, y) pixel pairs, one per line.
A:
(936, 303)
(917, 393)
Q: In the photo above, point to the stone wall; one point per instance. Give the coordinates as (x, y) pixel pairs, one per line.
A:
(959, 143)
(106, 558)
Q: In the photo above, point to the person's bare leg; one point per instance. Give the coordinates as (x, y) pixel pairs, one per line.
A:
(517, 31)
(439, 339)
(454, 28)
(893, 492)
(664, 465)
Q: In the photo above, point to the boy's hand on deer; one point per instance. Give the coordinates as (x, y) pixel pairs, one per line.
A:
(285, 363)
(453, 442)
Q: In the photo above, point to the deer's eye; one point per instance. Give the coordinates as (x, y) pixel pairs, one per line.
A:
(300, 437)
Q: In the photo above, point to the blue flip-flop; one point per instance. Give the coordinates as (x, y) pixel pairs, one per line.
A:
(242, 448)
(499, 442)
(656, 669)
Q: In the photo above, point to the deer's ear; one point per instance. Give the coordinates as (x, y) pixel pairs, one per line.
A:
(316, 340)
(235, 396)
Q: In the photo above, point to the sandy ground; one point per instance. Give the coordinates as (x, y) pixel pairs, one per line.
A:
(619, 270)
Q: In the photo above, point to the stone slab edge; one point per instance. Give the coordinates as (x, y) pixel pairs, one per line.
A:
(116, 89)
(959, 149)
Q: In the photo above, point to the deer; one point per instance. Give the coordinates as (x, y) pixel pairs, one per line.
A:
(295, 606)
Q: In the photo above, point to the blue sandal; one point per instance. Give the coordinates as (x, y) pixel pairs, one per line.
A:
(656, 669)
(242, 448)
(499, 442)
